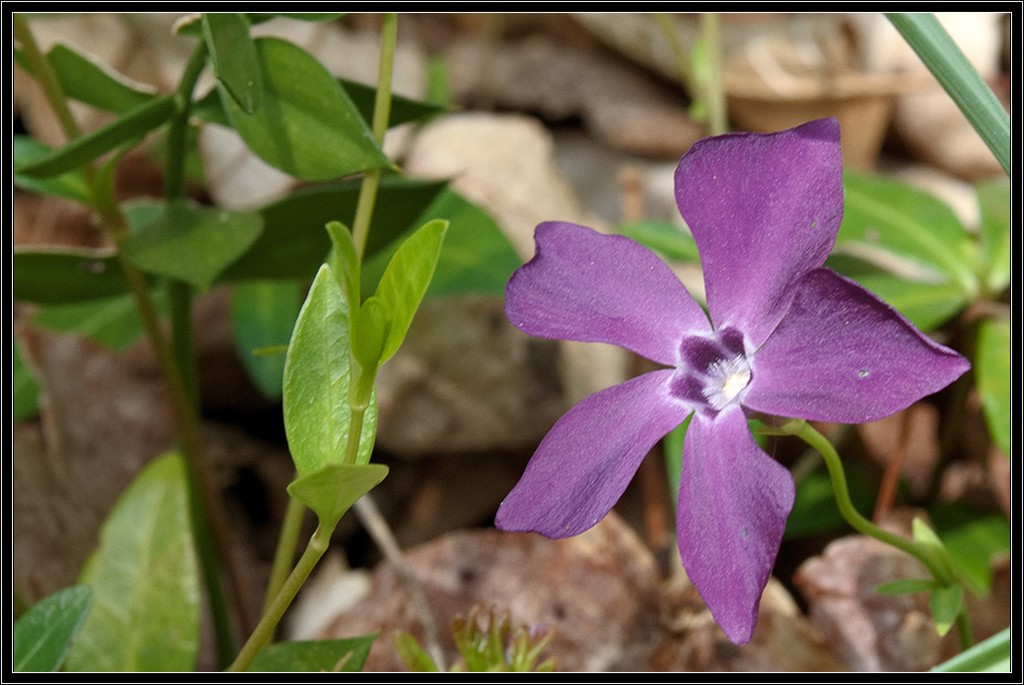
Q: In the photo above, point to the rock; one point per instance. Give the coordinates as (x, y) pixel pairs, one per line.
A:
(620, 105)
(782, 641)
(597, 592)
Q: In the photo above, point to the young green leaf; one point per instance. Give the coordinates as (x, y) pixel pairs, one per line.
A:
(326, 656)
(42, 636)
(344, 262)
(84, 149)
(317, 413)
(972, 539)
(145, 580)
(192, 244)
(71, 185)
(994, 370)
(994, 203)
(234, 57)
(945, 604)
(263, 314)
(405, 281)
(370, 333)
(332, 490)
(293, 242)
(307, 125)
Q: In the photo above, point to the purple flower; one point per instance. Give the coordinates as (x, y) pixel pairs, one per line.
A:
(786, 337)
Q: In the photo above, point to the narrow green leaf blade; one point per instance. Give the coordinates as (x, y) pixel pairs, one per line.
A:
(96, 84)
(193, 244)
(71, 185)
(307, 126)
(317, 374)
(56, 275)
(965, 86)
(234, 57)
(263, 314)
(145, 580)
(945, 604)
(406, 279)
(906, 586)
(994, 203)
(42, 636)
(989, 656)
(332, 490)
(665, 238)
(329, 656)
(995, 372)
(84, 149)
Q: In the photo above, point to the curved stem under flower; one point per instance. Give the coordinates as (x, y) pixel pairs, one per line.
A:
(803, 430)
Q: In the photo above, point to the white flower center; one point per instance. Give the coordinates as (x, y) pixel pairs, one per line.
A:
(726, 378)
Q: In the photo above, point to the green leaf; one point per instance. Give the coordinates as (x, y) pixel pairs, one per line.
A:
(994, 203)
(928, 305)
(96, 84)
(293, 242)
(330, 656)
(972, 538)
(192, 244)
(370, 333)
(25, 395)
(71, 185)
(945, 604)
(56, 275)
(989, 656)
(144, 576)
(317, 374)
(906, 586)
(403, 109)
(234, 57)
(344, 262)
(263, 314)
(906, 232)
(815, 511)
(332, 490)
(932, 545)
(113, 322)
(995, 373)
(667, 239)
(42, 636)
(958, 76)
(84, 149)
(673, 448)
(260, 17)
(307, 125)
(405, 281)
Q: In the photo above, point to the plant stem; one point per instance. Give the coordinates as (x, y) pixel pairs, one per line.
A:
(264, 631)
(803, 430)
(381, 115)
(285, 552)
(45, 76)
(714, 87)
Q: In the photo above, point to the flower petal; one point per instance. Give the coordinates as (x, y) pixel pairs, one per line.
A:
(585, 462)
(583, 285)
(843, 355)
(733, 504)
(763, 209)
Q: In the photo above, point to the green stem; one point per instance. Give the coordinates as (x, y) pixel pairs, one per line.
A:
(714, 87)
(285, 552)
(381, 115)
(177, 152)
(812, 437)
(264, 631)
(46, 77)
(355, 434)
(965, 86)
